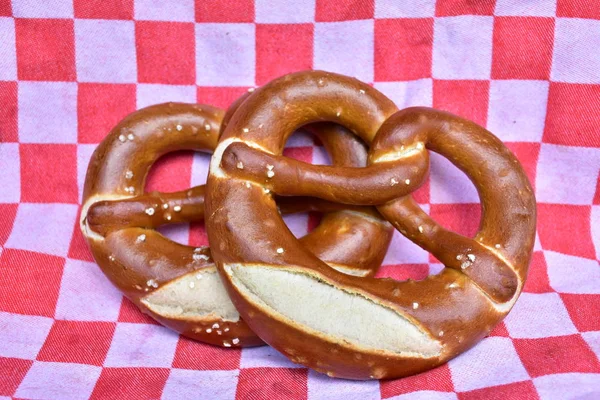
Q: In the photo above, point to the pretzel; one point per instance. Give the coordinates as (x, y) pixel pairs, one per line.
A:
(176, 284)
(339, 324)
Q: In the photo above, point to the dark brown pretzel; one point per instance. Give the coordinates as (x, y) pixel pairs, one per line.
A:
(176, 284)
(335, 323)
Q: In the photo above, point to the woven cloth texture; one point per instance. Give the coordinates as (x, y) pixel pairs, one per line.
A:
(527, 70)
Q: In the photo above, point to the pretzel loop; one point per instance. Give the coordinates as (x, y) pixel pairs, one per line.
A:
(370, 328)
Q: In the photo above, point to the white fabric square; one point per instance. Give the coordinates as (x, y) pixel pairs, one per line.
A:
(284, 11)
(574, 60)
(22, 335)
(403, 251)
(404, 9)
(522, 8)
(179, 233)
(8, 50)
(225, 54)
(449, 185)
(150, 94)
(494, 361)
(200, 164)
(426, 395)
(321, 156)
(160, 10)
(86, 294)
(568, 386)
(52, 380)
(45, 228)
(141, 345)
(322, 387)
(47, 9)
(10, 173)
(105, 51)
(570, 274)
(539, 315)
(265, 356)
(297, 223)
(84, 154)
(408, 94)
(562, 168)
(300, 138)
(47, 112)
(346, 48)
(517, 110)
(595, 226)
(462, 47)
(188, 384)
(593, 340)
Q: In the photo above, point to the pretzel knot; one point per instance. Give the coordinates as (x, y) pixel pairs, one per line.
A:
(345, 326)
(178, 285)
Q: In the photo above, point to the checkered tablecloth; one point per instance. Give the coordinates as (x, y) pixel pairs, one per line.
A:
(528, 70)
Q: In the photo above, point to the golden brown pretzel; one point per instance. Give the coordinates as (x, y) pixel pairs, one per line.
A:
(177, 284)
(335, 323)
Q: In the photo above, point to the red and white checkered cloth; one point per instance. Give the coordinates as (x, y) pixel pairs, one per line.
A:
(528, 70)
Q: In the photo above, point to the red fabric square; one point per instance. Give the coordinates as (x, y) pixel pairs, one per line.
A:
(45, 49)
(577, 242)
(224, 10)
(281, 49)
(165, 52)
(448, 8)
(402, 272)
(5, 8)
(500, 330)
(171, 173)
(537, 278)
(403, 48)
(79, 248)
(518, 390)
(314, 219)
(130, 313)
(555, 355)
(528, 154)
(272, 384)
(578, 9)
(571, 114)
(100, 107)
(198, 236)
(422, 194)
(12, 371)
(460, 218)
(468, 99)
(77, 342)
(522, 47)
(219, 96)
(103, 9)
(130, 383)
(437, 379)
(303, 153)
(8, 213)
(199, 356)
(584, 310)
(30, 282)
(8, 112)
(48, 173)
(344, 10)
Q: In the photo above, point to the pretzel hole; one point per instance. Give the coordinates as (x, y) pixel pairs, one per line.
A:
(455, 203)
(294, 296)
(304, 146)
(171, 172)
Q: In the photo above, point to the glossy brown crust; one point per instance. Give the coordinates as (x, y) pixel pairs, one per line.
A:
(119, 219)
(455, 308)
